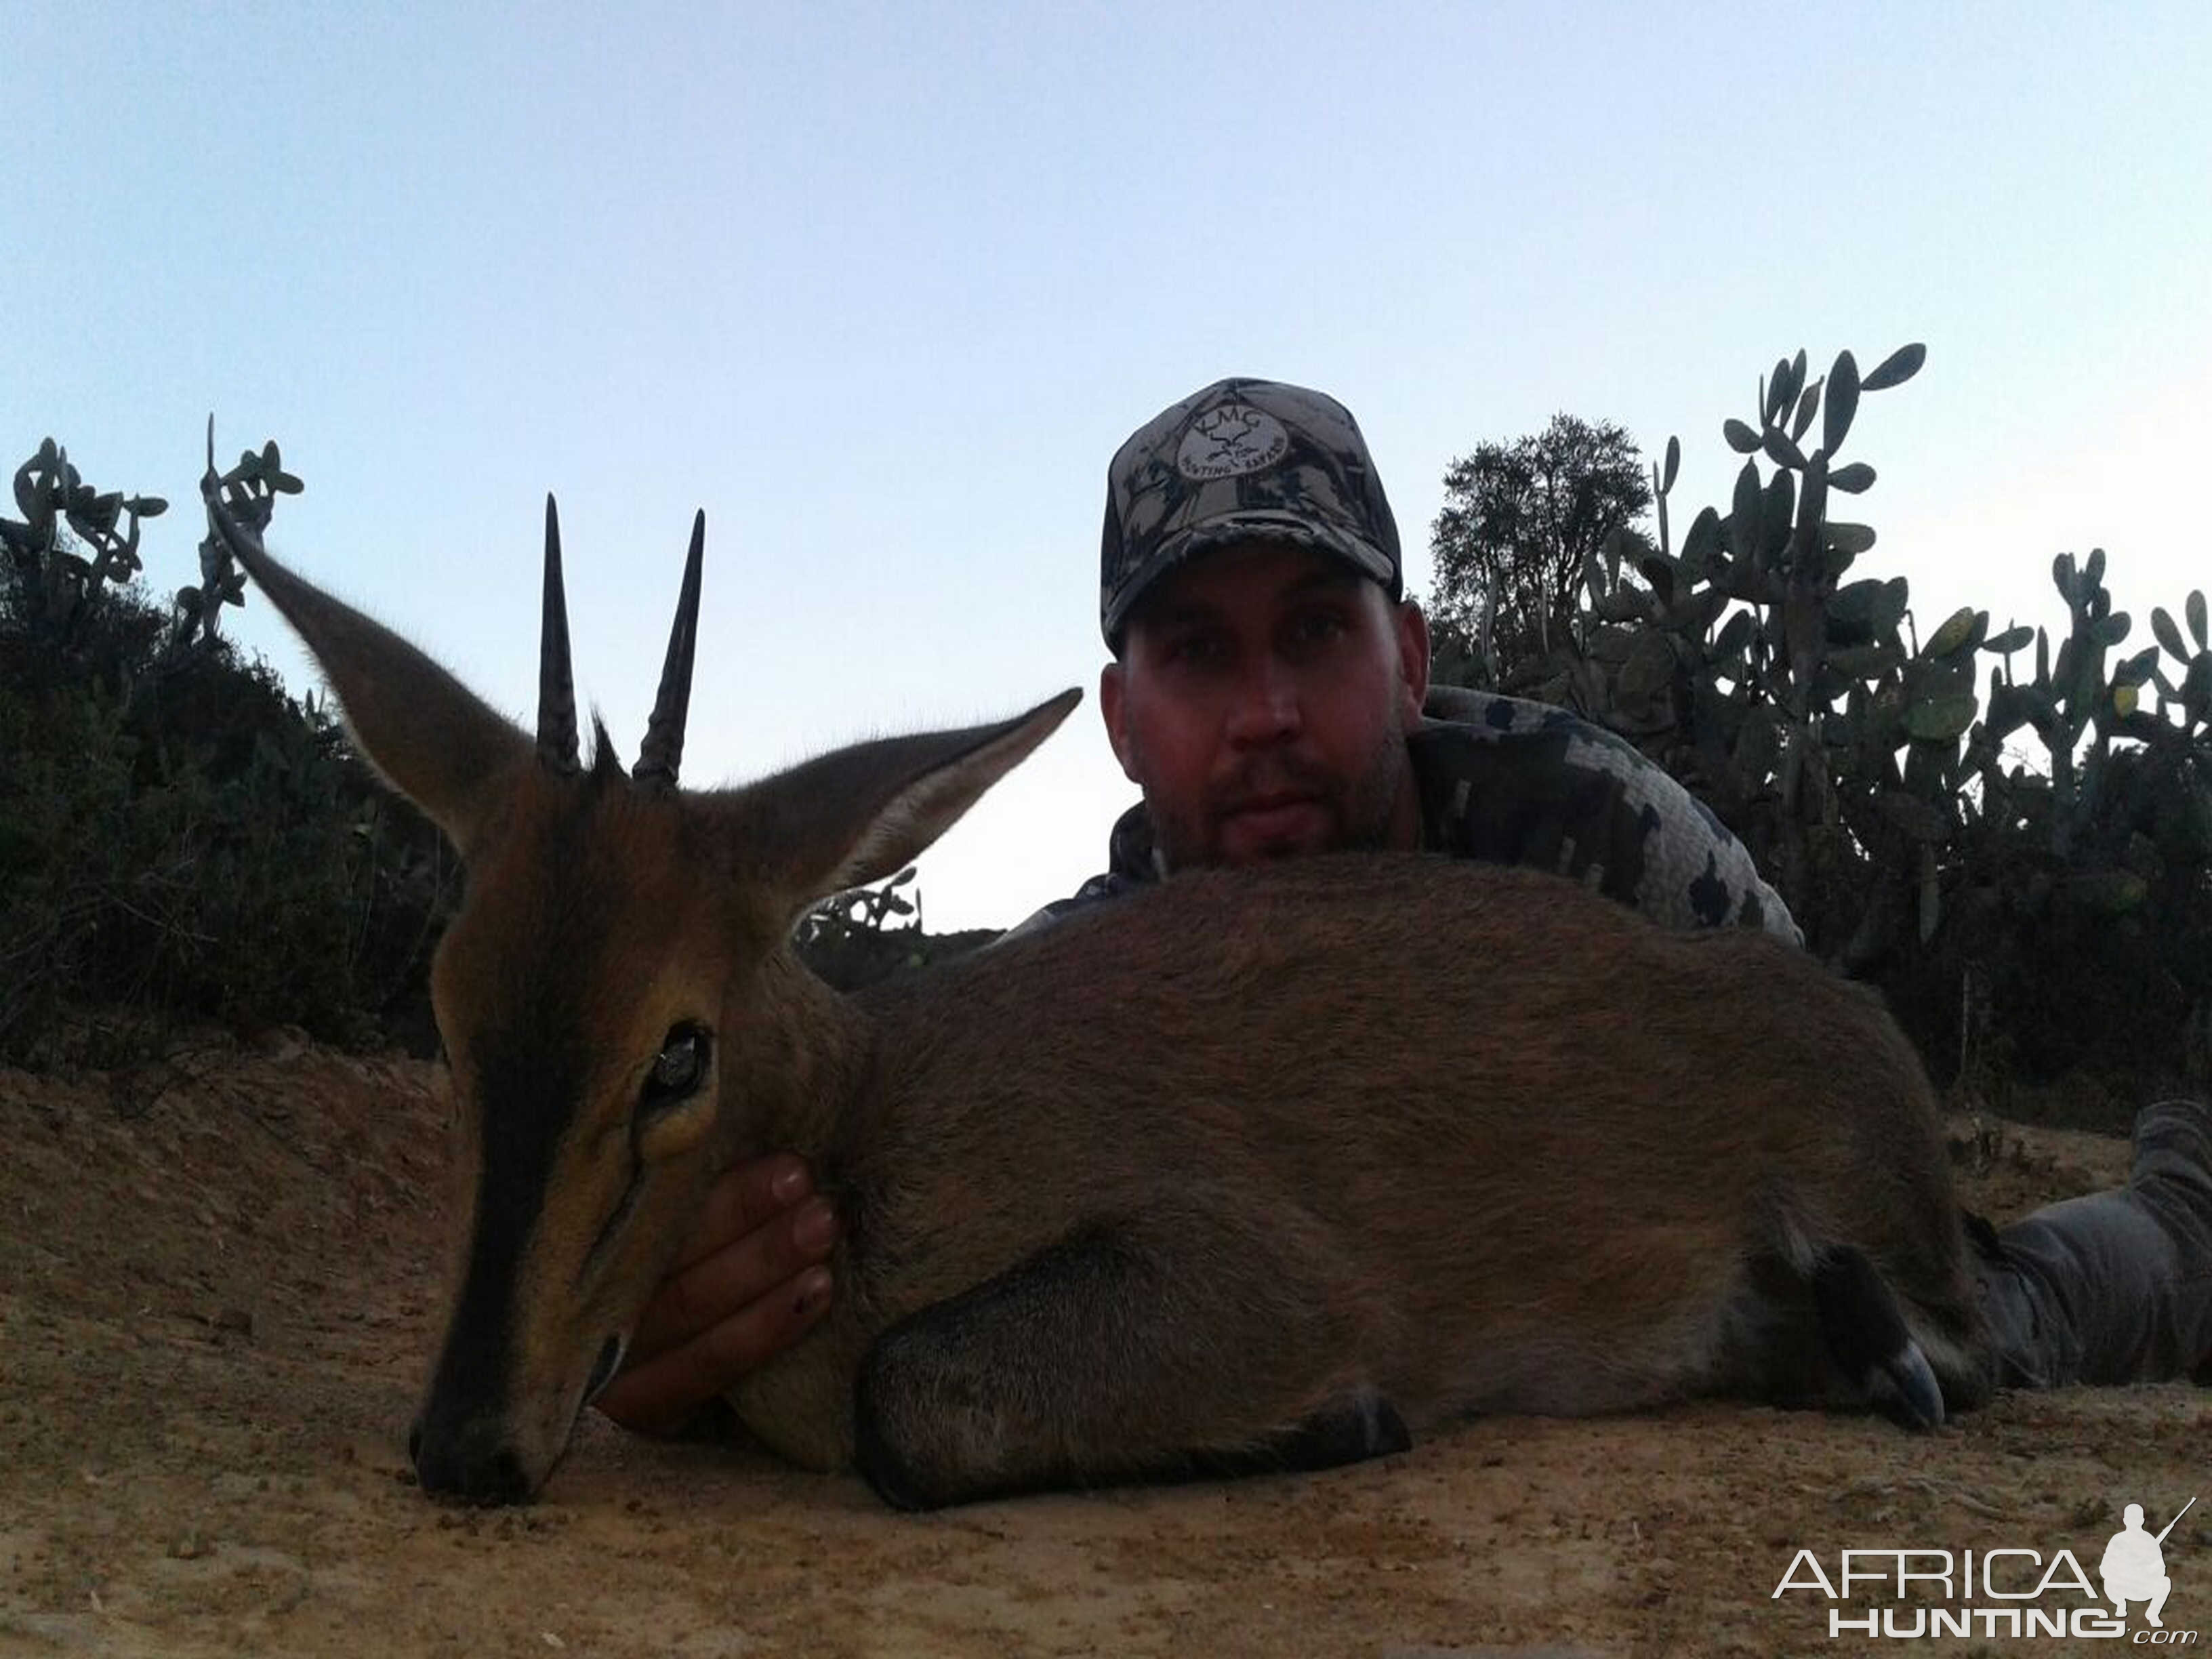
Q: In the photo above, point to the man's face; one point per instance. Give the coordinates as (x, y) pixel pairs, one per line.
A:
(1261, 703)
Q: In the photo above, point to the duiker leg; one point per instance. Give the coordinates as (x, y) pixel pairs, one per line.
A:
(1822, 1326)
(1132, 1350)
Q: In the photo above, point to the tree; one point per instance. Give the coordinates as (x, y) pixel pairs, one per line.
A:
(1521, 523)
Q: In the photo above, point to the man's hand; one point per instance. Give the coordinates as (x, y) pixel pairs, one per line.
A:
(749, 1284)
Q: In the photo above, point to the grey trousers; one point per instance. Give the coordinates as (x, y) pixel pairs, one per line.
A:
(2115, 1287)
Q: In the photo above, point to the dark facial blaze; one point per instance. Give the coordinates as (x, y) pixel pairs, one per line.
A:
(528, 1082)
(527, 1066)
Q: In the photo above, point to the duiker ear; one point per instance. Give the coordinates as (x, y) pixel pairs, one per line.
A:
(433, 739)
(857, 815)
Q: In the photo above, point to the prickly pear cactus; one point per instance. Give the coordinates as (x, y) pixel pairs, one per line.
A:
(73, 540)
(65, 519)
(1889, 800)
(250, 490)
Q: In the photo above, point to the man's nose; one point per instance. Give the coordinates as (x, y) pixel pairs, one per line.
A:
(1265, 707)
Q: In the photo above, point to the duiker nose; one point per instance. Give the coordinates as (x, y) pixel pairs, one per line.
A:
(475, 1463)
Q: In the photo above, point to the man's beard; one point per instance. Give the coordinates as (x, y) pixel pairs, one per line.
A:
(1360, 810)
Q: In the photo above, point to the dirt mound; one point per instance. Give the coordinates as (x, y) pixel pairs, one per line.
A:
(219, 1285)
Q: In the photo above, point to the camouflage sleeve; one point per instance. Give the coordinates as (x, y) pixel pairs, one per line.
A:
(1510, 782)
(1096, 890)
(1517, 783)
(1131, 864)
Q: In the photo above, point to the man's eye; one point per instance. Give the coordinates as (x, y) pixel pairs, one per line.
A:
(1195, 650)
(679, 1068)
(1319, 627)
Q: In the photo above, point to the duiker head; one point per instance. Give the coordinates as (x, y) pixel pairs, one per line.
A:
(616, 928)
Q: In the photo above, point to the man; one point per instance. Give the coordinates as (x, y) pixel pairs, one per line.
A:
(1268, 692)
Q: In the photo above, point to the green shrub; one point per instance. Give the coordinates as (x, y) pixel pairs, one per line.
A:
(179, 837)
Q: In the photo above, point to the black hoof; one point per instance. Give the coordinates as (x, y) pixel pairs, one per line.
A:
(1868, 1340)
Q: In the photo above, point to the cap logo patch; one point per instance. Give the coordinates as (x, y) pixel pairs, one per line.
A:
(1229, 439)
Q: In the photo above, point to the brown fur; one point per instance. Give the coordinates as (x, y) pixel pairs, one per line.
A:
(1502, 1144)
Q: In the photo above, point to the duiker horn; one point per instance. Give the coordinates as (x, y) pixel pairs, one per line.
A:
(557, 685)
(663, 749)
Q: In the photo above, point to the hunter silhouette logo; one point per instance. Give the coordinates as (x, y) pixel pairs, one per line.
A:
(1233, 439)
(2134, 1567)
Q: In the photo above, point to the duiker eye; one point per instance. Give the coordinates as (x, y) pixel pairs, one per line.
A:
(679, 1068)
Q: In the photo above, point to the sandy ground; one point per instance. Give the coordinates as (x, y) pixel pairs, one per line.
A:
(218, 1289)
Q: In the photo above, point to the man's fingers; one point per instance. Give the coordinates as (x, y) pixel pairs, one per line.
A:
(749, 1283)
(657, 1396)
(696, 1300)
(744, 1200)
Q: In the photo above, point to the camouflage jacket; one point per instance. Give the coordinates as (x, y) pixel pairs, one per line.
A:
(1518, 782)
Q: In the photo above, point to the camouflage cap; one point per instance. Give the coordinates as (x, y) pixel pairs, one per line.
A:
(1243, 458)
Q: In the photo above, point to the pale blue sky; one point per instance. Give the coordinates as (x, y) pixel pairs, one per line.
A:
(882, 289)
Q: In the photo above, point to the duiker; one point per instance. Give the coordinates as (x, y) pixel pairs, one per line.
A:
(1264, 1168)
